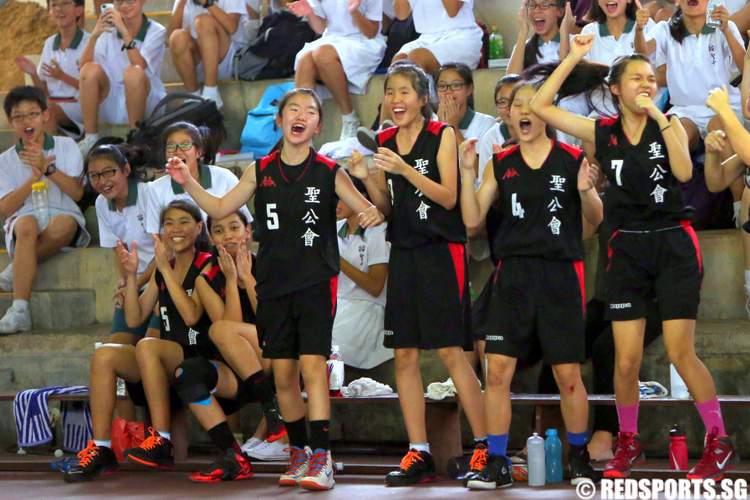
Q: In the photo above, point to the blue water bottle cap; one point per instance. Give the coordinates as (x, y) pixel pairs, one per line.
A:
(551, 432)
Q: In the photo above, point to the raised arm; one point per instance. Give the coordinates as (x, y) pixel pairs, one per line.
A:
(515, 64)
(719, 175)
(475, 204)
(245, 274)
(739, 138)
(137, 309)
(302, 8)
(674, 136)
(189, 307)
(642, 17)
(368, 27)
(214, 206)
(543, 103)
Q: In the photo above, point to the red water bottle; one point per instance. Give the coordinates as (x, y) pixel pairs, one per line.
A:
(678, 450)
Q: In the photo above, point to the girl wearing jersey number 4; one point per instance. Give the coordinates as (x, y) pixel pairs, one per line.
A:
(428, 304)
(296, 192)
(653, 248)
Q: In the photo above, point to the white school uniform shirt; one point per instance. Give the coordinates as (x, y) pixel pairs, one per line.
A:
(734, 5)
(126, 225)
(216, 180)
(191, 11)
(475, 124)
(362, 249)
(495, 135)
(338, 19)
(697, 65)
(68, 59)
(14, 173)
(606, 48)
(149, 41)
(430, 16)
(549, 52)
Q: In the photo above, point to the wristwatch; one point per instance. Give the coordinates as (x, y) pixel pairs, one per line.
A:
(51, 169)
(128, 46)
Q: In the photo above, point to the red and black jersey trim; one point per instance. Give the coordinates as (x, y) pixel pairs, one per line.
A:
(266, 160)
(572, 150)
(435, 127)
(331, 164)
(506, 152)
(387, 134)
(201, 259)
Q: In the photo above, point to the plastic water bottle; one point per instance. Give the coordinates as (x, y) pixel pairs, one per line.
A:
(40, 202)
(535, 459)
(711, 22)
(553, 457)
(678, 450)
(497, 48)
(677, 386)
(335, 372)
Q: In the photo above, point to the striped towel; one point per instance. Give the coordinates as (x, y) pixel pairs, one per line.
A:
(76, 424)
(30, 409)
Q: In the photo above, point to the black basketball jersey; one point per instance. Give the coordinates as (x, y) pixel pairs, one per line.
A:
(295, 210)
(540, 208)
(194, 338)
(415, 219)
(642, 193)
(218, 282)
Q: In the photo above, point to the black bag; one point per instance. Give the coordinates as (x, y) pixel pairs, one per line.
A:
(175, 108)
(271, 54)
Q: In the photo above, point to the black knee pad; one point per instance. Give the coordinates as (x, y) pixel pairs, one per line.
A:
(196, 380)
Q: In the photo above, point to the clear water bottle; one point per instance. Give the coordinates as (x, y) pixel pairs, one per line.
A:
(535, 460)
(496, 44)
(711, 22)
(335, 372)
(677, 386)
(40, 202)
(553, 457)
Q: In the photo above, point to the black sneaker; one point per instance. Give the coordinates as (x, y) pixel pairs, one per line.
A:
(93, 461)
(496, 474)
(416, 467)
(477, 463)
(579, 466)
(155, 451)
(231, 466)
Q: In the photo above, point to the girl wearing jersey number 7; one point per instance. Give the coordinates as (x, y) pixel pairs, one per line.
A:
(296, 193)
(653, 248)
(428, 299)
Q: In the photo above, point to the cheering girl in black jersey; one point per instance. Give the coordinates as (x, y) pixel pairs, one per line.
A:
(545, 191)
(653, 248)
(296, 191)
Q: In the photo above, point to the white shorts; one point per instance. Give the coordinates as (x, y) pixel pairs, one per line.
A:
(225, 66)
(83, 239)
(464, 46)
(113, 109)
(358, 331)
(359, 55)
(698, 114)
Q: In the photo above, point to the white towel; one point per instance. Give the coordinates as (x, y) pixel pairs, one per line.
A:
(365, 387)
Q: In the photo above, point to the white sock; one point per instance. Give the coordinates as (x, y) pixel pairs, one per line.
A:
(737, 206)
(94, 136)
(747, 279)
(103, 442)
(20, 305)
(210, 92)
(166, 435)
(351, 117)
(420, 447)
(196, 92)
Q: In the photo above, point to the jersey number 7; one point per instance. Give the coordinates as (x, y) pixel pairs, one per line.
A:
(617, 167)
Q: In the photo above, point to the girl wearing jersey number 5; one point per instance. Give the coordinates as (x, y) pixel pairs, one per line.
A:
(296, 192)
(653, 248)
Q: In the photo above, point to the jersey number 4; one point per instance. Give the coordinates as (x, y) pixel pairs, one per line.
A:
(617, 167)
(272, 218)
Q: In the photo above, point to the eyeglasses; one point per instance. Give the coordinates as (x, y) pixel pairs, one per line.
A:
(171, 147)
(22, 116)
(502, 103)
(542, 5)
(444, 87)
(103, 175)
(124, 2)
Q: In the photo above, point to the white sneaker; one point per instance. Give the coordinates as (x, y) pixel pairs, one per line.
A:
(269, 452)
(349, 127)
(250, 444)
(86, 144)
(6, 278)
(319, 473)
(15, 321)
(299, 461)
(213, 96)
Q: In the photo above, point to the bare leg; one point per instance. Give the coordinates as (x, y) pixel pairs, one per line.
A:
(467, 387)
(109, 362)
(185, 56)
(500, 370)
(679, 340)
(307, 73)
(332, 74)
(628, 337)
(137, 88)
(235, 348)
(158, 359)
(574, 403)
(286, 376)
(411, 393)
(425, 60)
(314, 373)
(24, 256)
(213, 44)
(94, 88)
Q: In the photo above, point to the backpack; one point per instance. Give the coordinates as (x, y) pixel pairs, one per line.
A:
(271, 53)
(260, 132)
(175, 108)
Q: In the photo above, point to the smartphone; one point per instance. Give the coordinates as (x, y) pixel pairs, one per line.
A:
(107, 6)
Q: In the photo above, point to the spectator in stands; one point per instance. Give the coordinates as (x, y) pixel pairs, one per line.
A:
(500, 132)
(114, 171)
(29, 238)
(360, 306)
(120, 69)
(203, 38)
(661, 10)
(447, 31)
(455, 87)
(347, 54)
(544, 16)
(185, 141)
(58, 71)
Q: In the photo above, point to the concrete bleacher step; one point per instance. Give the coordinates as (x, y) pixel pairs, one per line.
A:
(58, 310)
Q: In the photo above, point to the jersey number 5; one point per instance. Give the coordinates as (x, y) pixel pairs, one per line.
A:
(272, 218)
(617, 167)
(164, 317)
